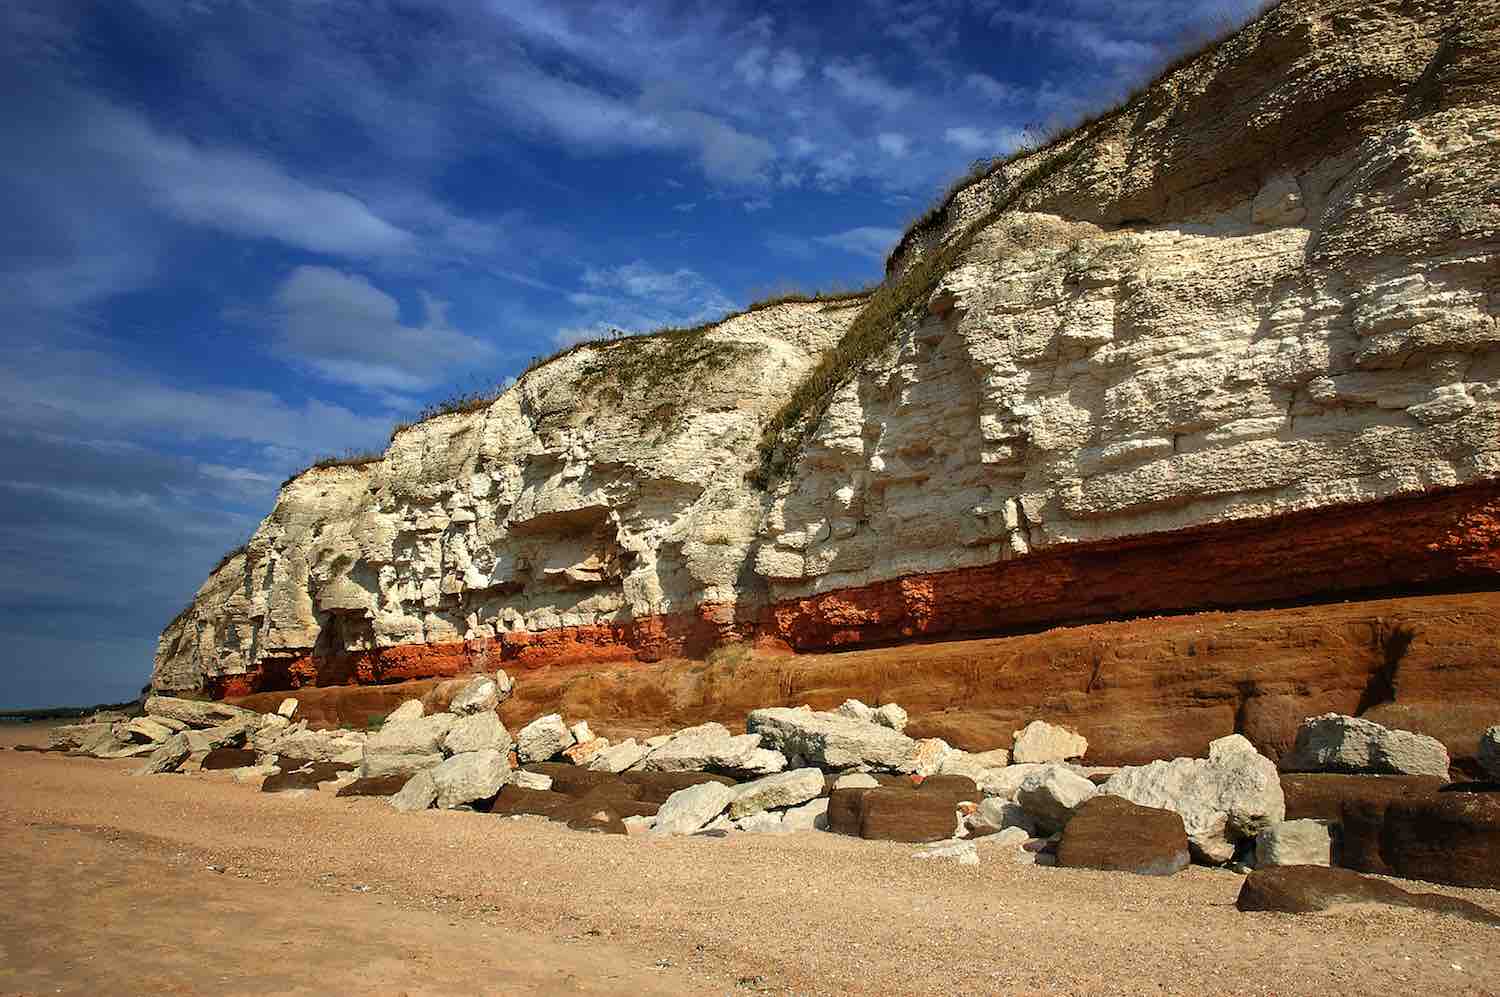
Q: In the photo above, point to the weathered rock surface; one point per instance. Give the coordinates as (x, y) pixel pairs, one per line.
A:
(711, 746)
(1335, 743)
(1040, 741)
(543, 738)
(1489, 752)
(688, 810)
(1111, 833)
(1229, 796)
(477, 732)
(832, 740)
(911, 815)
(168, 755)
(195, 713)
(776, 792)
(618, 757)
(1450, 837)
(810, 816)
(471, 776)
(1053, 795)
(480, 695)
(1294, 842)
(1306, 889)
(385, 785)
(419, 793)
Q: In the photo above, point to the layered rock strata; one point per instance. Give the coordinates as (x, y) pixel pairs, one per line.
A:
(1237, 343)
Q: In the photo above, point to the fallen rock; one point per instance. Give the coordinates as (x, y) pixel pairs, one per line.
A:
(196, 713)
(228, 758)
(1337, 743)
(283, 781)
(422, 736)
(1449, 837)
(1489, 752)
(144, 729)
(419, 793)
(657, 787)
(1004, 783)
(994, 815)
(571, 780)
(477, 732)
(1294, 842)
(385, 785)
(1306, 889)
(479, 695)
(317, 745)
(905, 814)
(810, 816)
(411, 709)
(855, 710)
(581, 732)
(776, 792)
(1223, 799)
(831, 741)
(1053, 794)
(846, 809)
(764, 821)
(513, 800)
(69, 737)
(543, 739)
(687, 811)
(168, 756)
(956, 850)
(927, 757)
(288, 708)
(584, 751)
(1111, 833)
(504, 684)
(618, 757)
(1040, 741)
(473, 775)
(378, 764)
(855, 780)
(711, 746)
(234, 733)
(892, 716)
(531, 780)
(1321, 795)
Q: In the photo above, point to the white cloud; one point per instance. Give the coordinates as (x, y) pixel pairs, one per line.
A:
(894, 144)
(864, 85)
(992, 89)
(350, 332)
(867, 240)
(787, 70)
(637, 297)
(999, 142)
(755, 204)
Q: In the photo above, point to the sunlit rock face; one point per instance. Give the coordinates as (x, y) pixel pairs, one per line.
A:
(1243, 336)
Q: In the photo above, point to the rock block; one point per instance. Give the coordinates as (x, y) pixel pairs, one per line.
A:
(1111, 833)
(905, 814)
(1306, 889)
(1444, 838)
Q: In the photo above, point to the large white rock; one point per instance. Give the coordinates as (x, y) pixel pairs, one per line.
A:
(763, 821)
(1040, 741)
(856, 780)
(1489, 752)
(1052, 795)
(1337, 743)
(543, 739)
(776, 792)
(378, 763)
(316, 745)
(481, 695)
(168, 755)
(421, 736)
(471, 776)
(995, 814)
(410, 709)
(196, 713)
(1294, 842)
(418, 794)
(855, 710)
(617, 757)
(581, 732)
(1004, 783)
(504, 684)
(810, 816)
(710, 746)
(1231, 795)
(954, 850)
(288, 708)
(530, 780)
(832, 741)
(477, 732)
(688, 810)
(980, 767)
(890, 715)
(145, 729)
(929, 756)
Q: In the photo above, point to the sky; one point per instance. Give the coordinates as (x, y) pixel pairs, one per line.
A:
(239, 235)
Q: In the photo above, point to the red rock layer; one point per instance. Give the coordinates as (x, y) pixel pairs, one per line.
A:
(1449, 537)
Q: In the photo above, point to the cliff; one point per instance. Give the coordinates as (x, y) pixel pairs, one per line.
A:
(1236, 342)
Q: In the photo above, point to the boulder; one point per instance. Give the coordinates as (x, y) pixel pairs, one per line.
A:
(473, 775)
(832, 741)
(980, 766)
(234, 733)
(1294, 842)
(479, 695)
(410, 709)
(855, 780)
(513, 800)
(1004, 783)
(543, 739)
(571, 780)
(378, 764)
(584, 751)
(846, 809)
(196, 713)
(764, 821)
(1337, 743)
(228, 758)
(953, 850)
(1223, 799)
(422, 736)
(288, 708)
(504, 685)
(531, 780)
(581, 732)
(928, 757)
(1322, 795)
(905, 814)
(855, 710)
(300, 781)
(994, 815)
(1111, 833)
(477, 732)
(688, 810)
(69, 737)
(776, 792)
(1306, 889)
(144, 729)
(168, 755)
(892, 716)
(711, 746)
(810, 816)
(1450, 837)
(617, 757)
(317, 745)
(657, 787)
(1053, 795)
(419, 793)
(1040, 741)
(1489, 752)
(384, 785)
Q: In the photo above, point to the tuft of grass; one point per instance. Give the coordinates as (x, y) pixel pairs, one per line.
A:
(349, 458)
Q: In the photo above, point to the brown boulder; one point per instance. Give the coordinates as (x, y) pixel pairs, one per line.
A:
(1321, 795)
(512, 800)
(284, 782)
(657, 786)
(1444, 838)
(571, 780)
(228, 758)
(846, 810)
(960, 786)
(1114, 834)
(1305, 889)
(380, 785)
(907, 814)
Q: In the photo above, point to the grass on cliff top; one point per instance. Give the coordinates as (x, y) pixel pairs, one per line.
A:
(1221, 27)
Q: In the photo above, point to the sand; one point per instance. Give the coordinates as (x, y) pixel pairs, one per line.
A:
(115, 883)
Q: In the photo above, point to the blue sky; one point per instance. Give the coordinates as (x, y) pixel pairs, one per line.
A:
(241, 235)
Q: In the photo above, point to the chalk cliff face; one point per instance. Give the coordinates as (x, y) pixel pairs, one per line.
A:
(1239, 341)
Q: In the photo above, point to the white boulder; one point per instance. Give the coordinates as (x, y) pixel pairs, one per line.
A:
(410, 709)
(581, 732)
(892, 716)
(196, 713)
(617, 757)
(954, 850)
(144, 730)
(765, 821)
(504, 684)
(168, 755)
(833, 741)
(1337, 743)
(776, 792)
(1004, 783)
(378, 764)
(1052, 795)
(810, 816)
(1294, 842)
(688, 810)
(288, 708)
(710, 746)
(418, 793)
(1040, 741)
(856, 780)
(1233, 794)
(480, 695)
(543, 739)
(477, 732)
(855, 710)
(999, 815)
(530, 780)
(473, 775)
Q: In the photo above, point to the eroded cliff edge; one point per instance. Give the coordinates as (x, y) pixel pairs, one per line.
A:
(1237, 342)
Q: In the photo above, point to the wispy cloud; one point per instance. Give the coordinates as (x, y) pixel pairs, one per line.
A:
(637, 297)
(867, 240)
(997, 142)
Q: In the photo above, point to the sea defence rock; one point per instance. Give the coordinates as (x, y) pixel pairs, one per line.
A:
(1294, 842)
(1306, 889)
(1335, 743)
(471, 776)
(1451, 837)
(1053, 795)
(1111, 833)
(1040, 741)
(832, 740)
(1489, 752)
(1223, 799)
(542, 739)
(480, 695)
(195, 713)
(776, 792)
(710, 746)
(688, 810)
